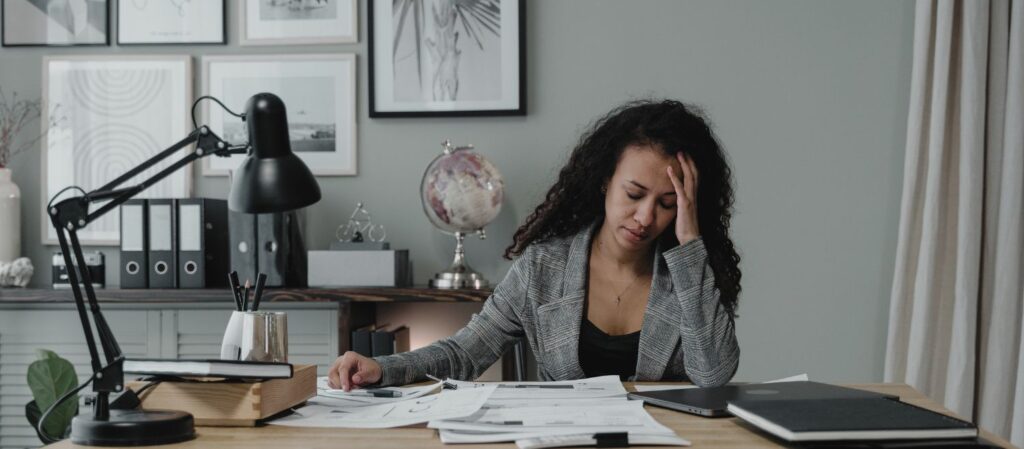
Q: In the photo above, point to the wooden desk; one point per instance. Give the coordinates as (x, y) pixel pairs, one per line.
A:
(718, 433)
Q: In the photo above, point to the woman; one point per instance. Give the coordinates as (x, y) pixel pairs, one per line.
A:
(617, 271)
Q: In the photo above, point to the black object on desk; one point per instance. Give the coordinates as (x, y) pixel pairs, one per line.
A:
(270, 179)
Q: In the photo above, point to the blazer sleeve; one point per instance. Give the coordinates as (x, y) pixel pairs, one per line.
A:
(708, 332)
(474, 348)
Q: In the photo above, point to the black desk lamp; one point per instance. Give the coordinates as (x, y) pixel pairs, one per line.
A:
(271, 179)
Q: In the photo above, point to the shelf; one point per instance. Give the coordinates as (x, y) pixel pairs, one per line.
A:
(360, 295)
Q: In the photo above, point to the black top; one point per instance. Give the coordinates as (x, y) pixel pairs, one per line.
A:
(602, 354)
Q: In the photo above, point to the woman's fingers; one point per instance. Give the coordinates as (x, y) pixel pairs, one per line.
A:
(675, 182)
(684, 164)
(333, 379)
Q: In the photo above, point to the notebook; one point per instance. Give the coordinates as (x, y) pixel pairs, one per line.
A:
(849, 419)
(713, 401)
(209, 368)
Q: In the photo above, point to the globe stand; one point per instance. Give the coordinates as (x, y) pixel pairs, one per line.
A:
(459, 275)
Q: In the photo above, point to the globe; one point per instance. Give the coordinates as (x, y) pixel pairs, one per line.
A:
(461, 191)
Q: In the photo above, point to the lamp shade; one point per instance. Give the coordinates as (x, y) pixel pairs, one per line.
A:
(271, 178)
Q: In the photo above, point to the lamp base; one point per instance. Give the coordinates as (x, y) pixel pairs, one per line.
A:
(133, 428)
(459, 280)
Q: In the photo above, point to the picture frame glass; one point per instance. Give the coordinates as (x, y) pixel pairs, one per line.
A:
(102, 129)
(299, 21)
(55, 22)
(319, 96)
(170, 22)
(457, 59)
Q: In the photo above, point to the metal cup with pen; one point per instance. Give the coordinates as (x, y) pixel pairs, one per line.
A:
(252, 334)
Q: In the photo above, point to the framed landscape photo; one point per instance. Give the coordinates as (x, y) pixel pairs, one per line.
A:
(288, 22)
(319, 93)
(156, 22)
(54, 22)
(109, 114)
(447, 58)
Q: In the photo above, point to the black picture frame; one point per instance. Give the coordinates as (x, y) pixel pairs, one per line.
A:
(4, 14)
(223, 30)
(519, 110)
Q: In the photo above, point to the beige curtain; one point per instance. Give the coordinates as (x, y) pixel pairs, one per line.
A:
(957, 306)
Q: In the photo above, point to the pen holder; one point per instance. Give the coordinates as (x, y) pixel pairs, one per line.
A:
(231, 345)
(256, 336)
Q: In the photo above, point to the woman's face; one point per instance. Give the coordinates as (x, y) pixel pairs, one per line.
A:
(640, 202)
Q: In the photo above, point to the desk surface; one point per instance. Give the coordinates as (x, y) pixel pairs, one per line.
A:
(702, 432)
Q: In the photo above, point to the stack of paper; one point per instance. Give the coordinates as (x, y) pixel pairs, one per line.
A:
(534, 413)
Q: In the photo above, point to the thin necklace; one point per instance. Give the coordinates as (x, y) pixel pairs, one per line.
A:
(618, 297)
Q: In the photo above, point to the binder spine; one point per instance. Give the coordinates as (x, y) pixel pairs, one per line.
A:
(134, 267)
(202, 255)
(162, 244)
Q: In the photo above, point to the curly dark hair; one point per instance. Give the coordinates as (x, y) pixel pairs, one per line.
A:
(576, 200)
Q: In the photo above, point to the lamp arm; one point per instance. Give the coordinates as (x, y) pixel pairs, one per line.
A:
(72, 214)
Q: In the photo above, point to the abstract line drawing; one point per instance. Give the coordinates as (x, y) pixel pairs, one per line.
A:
(120, 113)
(55, 22)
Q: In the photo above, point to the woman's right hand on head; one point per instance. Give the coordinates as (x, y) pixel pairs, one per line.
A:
(352, 370)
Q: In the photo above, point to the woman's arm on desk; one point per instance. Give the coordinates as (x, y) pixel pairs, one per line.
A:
(464, 355)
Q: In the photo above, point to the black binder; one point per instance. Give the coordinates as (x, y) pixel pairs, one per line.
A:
(134, 244)
(202, 249)
(281, 250)
(361, 340)
(162, 244)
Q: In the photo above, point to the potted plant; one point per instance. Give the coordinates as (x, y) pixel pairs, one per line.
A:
(49, 378)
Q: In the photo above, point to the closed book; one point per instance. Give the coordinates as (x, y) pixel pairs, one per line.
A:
(360, 268)
(209, 368)
(799, 420)
(390, 341)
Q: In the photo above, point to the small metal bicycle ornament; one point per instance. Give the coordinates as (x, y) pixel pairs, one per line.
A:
(360, 228)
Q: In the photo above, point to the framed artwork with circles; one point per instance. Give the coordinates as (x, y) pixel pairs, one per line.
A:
(109, 114)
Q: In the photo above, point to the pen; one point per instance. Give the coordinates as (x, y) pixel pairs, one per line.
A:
(377, 393)
(233, 281)
(245, 295)
(261, 280)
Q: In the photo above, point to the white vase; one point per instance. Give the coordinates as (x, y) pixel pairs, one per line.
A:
(10, 217)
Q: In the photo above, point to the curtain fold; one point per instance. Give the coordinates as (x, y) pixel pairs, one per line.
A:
(957, 302)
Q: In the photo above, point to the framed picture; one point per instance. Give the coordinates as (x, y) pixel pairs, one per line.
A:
(55, 22)
(284, 22)
(447, 58)
(319, 93)
(111, 114)
(148, 22)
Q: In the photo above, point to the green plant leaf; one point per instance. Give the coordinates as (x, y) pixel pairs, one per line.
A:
(49, 378)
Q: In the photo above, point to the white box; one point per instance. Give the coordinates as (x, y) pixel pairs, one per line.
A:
(373, 268)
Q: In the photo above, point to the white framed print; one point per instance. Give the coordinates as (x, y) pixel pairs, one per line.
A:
(54, 23)
(110, 114)
(319, 93)
(286, 22)
(452, 58)
(162, 22)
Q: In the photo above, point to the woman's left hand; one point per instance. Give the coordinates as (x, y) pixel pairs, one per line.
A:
(686, 198)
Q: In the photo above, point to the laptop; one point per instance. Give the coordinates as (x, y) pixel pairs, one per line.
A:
(713, 401)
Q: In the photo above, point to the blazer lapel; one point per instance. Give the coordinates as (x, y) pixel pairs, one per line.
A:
(659, 335)
(560, 319)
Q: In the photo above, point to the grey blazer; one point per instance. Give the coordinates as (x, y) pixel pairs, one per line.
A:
(686, 332)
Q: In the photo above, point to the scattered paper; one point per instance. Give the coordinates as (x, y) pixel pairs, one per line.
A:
(492, 425)
(361, 396)
(635, 439)
(594, 387)
(445, 405)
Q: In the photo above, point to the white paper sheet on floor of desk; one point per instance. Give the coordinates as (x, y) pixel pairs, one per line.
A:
(594, 387)
(447, 404)
(510, 424)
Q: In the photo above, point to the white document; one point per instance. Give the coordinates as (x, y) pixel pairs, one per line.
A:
(361, 396)
(646, 388)
(594, 387)
(635, 439)
(510, 424)
(445, 405)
